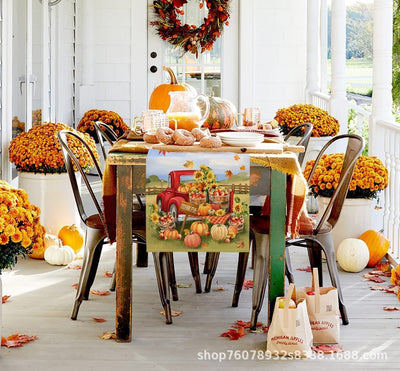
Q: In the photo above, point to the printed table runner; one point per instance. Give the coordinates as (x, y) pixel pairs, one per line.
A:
(197, 202)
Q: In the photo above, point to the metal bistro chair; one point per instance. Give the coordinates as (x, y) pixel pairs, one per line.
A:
(96, 233)
(321, 237)
(304, 131)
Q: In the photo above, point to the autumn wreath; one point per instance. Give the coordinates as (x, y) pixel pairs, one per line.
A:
(190, 38)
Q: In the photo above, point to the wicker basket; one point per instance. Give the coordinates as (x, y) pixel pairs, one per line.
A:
(164, 227)
(197, 201)
(238, 226)
(222, 201)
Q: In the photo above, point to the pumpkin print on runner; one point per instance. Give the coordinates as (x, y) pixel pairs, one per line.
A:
(204, 207)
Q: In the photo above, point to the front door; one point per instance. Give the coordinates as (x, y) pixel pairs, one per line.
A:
(212, 72)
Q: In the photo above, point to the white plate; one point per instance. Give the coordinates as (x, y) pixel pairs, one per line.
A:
(244, 143)
(236, 136)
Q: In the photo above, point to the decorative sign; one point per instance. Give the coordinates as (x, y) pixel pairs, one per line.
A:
(197, 203)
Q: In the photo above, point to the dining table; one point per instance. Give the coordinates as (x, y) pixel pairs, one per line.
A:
(125, 175)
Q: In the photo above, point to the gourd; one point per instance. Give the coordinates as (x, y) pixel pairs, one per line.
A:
(352, 254)
(59, 254)
(232, 231)
(222, 115)
(200, 228)
(72, 236)
(219, 232)
(192, 240)
(203, 209)
(378, 246)
(160, 99)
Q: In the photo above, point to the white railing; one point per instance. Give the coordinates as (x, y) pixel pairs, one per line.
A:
(319, 100)
(390, 132)
(358, 122)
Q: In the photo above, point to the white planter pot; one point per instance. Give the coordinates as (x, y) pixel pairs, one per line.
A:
(52, 193)
(355, 218)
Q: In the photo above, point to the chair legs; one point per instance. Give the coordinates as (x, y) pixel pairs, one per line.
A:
(194, 267)
(172, 279)
(240, 275)
(161, 268)
(93, 244)
(213, 263)
(260, 275)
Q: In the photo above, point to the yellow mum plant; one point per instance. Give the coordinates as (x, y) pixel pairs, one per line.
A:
(20, 228)
(112, 119)
(370, 176)
(38, 150)
(323, 123)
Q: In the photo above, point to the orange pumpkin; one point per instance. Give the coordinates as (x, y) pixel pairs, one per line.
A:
(72, 235)
(232, 231)
(172, 234)
(378, 246)
(160, 99)
(183, 189)
(200, 228)
(203, 209)
(192, 240)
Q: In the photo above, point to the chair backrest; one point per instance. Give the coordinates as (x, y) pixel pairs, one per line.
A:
(305, 131)
(72, 165)
(105, 135)
(355, 145)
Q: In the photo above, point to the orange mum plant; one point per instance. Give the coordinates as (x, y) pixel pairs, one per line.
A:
(112, 119)
(395, 278)
(323, 123)
(20, 228)
(370, 176)
(38, 150)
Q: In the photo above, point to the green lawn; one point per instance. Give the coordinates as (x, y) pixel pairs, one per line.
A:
(358, 75)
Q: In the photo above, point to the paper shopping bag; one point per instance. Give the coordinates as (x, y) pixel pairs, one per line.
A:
(290, 331)
(323, 310)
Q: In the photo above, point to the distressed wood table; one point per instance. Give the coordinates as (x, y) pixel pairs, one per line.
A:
(130, 178)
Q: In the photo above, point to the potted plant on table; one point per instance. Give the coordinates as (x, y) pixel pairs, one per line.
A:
(369, 178)
(38, 158)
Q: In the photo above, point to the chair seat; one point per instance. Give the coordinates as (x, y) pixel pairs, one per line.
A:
(94, 221)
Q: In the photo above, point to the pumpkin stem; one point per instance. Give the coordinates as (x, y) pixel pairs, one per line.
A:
(174, 81)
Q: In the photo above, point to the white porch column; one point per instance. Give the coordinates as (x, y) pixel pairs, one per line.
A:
(324, 46)
(86, 88)
(338, 101)
(312, 48)
(382, 71)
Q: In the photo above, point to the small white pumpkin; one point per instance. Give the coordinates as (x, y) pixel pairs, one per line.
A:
(59, 254)
(352, 255)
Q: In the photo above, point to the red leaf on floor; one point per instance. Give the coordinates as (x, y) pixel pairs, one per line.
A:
(74, 266)
(233, 334)
(247, 284)
(383, 266)
(75, 286)
(239, 323)
(219, 289)
(377, 288)
(373, 278)
(376, 273)
(265, 329)
(308, 269)
(100, 319)
(393, 289)
(391, 309)
(4, 298)
(16, 340)
(100, 293)
(327, 349)
(108, 274)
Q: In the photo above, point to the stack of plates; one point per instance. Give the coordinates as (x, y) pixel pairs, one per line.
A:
(242, 139)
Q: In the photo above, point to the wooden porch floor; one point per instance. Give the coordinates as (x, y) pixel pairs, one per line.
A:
(41, 302)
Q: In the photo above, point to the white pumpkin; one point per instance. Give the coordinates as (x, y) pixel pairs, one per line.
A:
(59, 254)
(50, 240)
(352, 255)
